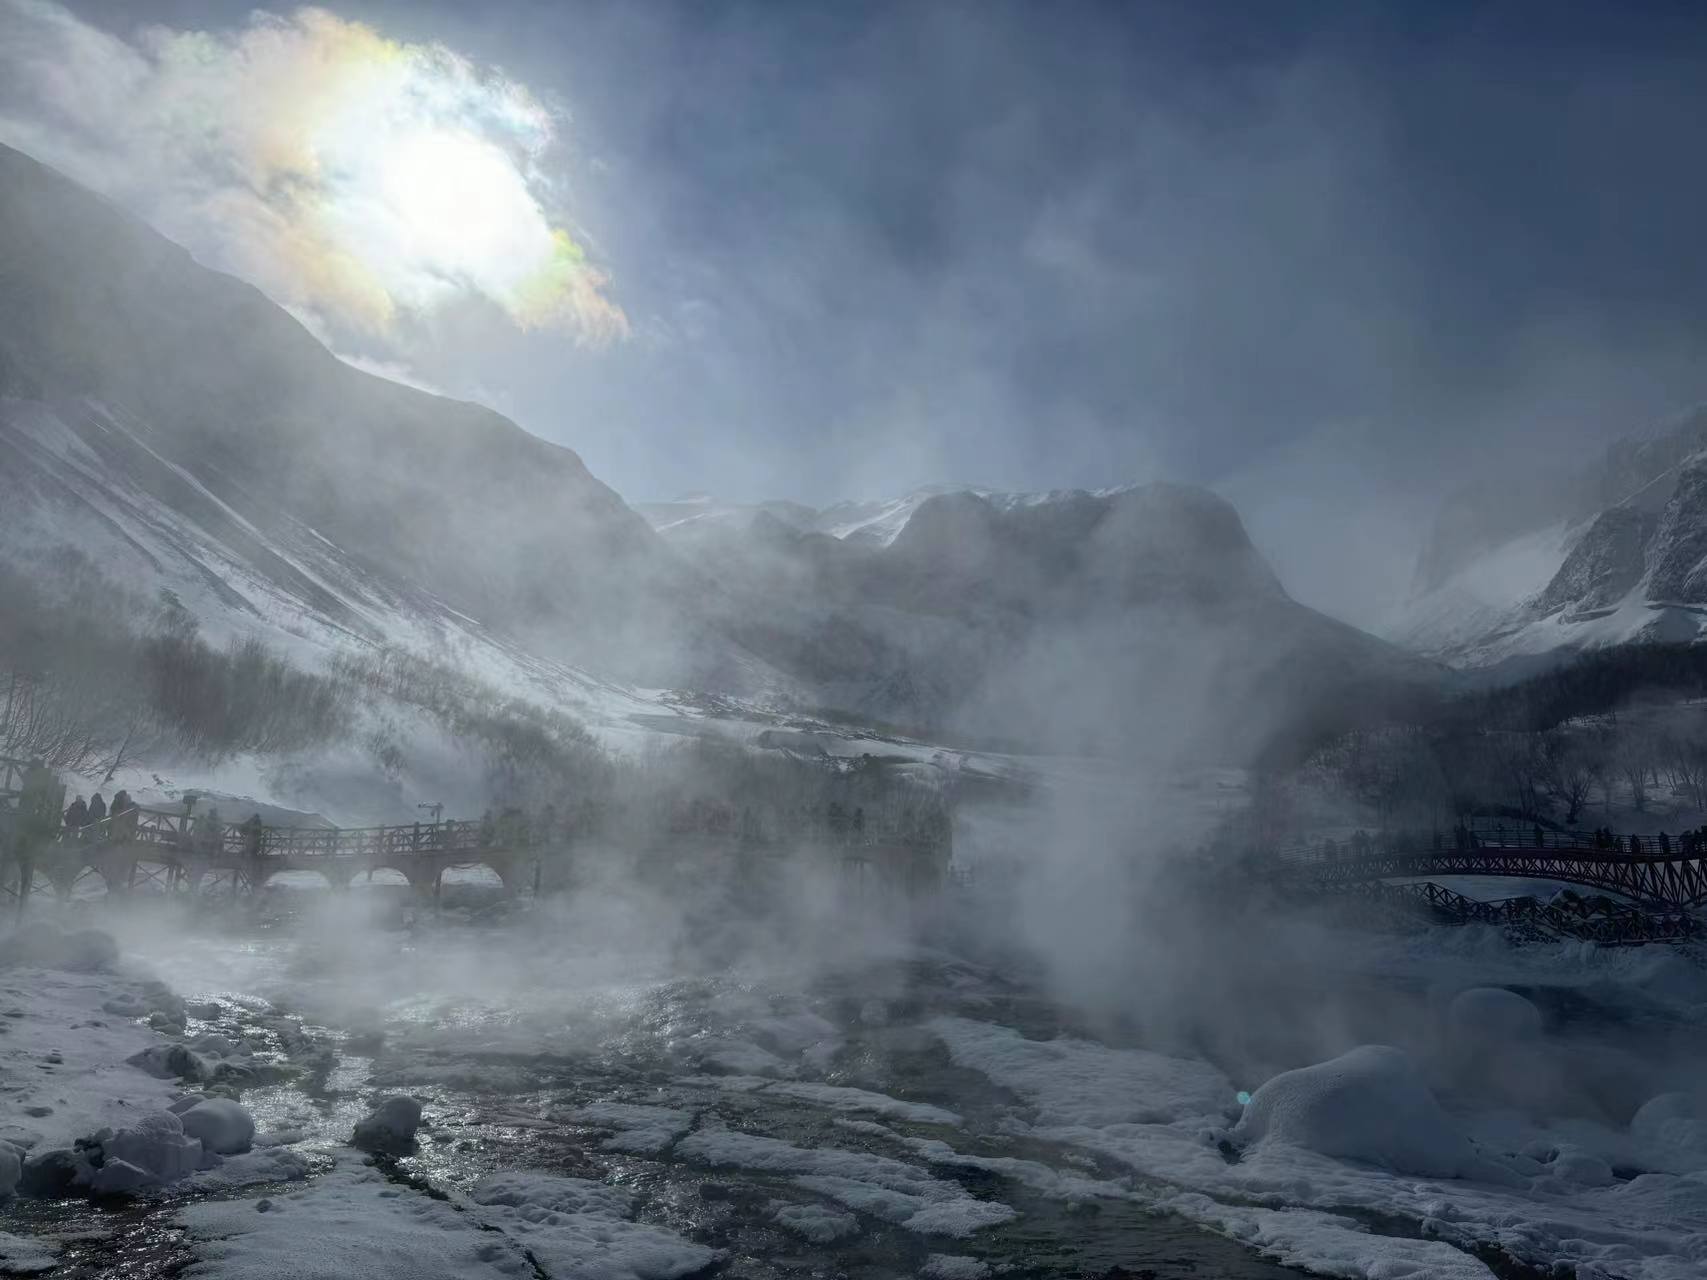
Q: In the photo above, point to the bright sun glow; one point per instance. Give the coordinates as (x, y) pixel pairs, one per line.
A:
(353, 176)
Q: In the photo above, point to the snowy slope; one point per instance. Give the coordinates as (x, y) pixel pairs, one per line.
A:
(1617, 554)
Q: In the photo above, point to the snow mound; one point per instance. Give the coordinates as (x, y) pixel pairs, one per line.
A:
(45, 946)
(639, 1130)
(816, 1223)
(1671, 1131)
(390, 1126)
(579, 1229)
(1369, 1105)
(220, 1125)
(1492, 1017)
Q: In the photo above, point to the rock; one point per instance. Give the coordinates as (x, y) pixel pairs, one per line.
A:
(50, 1175)
(390, 1126)
(180, 1105)
(206, 1010)
(214, 1046)
(158, 1144)
(1492, 1017)
(121, 1178)
(221, 1125)
(11, 1169)
(1370, 1104)
(169, 1061)
(37, 1111)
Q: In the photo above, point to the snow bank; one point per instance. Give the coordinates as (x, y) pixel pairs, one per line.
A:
(1080, 1082)
(832, 1097)
(63, 1055)
(1369, 1104)
(893, 1190)
(580, 1229)
(350, 1224)
(46, 946)
(390, 1126)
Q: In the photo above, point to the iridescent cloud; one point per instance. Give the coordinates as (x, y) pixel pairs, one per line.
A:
(354, 177)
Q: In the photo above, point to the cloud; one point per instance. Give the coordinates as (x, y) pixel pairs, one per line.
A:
(366, 181)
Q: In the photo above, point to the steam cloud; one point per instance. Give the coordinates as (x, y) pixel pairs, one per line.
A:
(361, 181)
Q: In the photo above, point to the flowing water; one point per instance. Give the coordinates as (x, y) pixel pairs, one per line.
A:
(519, 1046)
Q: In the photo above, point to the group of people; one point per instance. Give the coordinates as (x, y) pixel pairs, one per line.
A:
(80, 815)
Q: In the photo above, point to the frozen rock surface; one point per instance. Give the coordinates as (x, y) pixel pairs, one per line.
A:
(11, 1168)
(390, 1126)
(1370, 1105)
(221, 1126)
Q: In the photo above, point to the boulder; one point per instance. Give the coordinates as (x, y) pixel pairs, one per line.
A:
(220, 1125)
(169, 1062)
(11, 1168)
(51, 1174)
(120, 1178)
(156, 1143)
(390, 1126)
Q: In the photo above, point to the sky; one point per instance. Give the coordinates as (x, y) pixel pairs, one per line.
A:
(1331, 259)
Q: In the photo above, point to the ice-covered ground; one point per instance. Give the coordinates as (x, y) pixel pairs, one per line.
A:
(592, 1112)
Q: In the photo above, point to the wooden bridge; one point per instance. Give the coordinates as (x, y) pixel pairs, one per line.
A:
(163, 850)
(1645, 889)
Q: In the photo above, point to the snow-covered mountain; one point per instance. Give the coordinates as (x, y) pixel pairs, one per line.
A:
(186, 434)
(195, 443)
(1131, 618)
(876, 522)
(1614, 552)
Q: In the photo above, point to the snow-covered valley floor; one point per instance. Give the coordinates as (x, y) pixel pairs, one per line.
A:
(887, 1110)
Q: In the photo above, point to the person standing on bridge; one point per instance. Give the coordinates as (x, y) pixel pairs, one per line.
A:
(77, 815)
(97, 810)
(123, 813)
